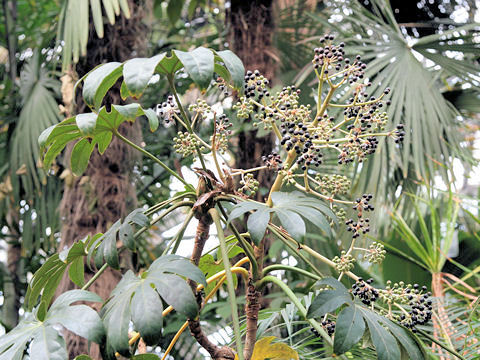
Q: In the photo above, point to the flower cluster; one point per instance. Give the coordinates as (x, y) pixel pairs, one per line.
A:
(375, 253)
(186, 144)
(344, 262)
(249, 185)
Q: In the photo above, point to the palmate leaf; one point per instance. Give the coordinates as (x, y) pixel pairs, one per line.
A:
(139, 299)
(389, 339)
(45, 341)
(46, 279)
(74, 24)
(416, 99)
(199, 64)
(92, 129)
(291, 209)
(104, 248)
(38, 90)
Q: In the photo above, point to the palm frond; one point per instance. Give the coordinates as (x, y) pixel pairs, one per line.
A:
(413, 69)
(74, 24)
(39, 110)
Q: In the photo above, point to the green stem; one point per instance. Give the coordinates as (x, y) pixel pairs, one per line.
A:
(313, 253)
(151, 156)
(295, 250)
(185, 117)
(243, 244)
(231, 289)
(178, 237)
(298, 305)
(443, 346)
(290, 268)
(95, 277)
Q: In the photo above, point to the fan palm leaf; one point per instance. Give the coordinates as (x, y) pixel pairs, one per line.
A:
(39, 110)
(74, 24)
(413, 68)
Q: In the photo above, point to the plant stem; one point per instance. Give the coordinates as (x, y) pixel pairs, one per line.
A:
(289, 268)
(151, 156)
(185, 117)
(230, 286)
(295, 250)
(95, 277)
(243, 244)
(443, 346)
(297, 304)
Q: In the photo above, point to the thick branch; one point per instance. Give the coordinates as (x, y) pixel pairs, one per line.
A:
(216, 352)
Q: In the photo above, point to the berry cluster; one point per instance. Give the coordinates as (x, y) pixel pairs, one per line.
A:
(420, 308)
(332, 185)
(222, 133)
(255, 83)
(362, 204)
(366, 293)
(186, 144)
(222, 85)
(168, 111)
(249, 185)
(358, 227)
(344, 262)
(329, 326)
(399, 133)
(273, 161)
(375, 253)
(201, 108)
(339, 212)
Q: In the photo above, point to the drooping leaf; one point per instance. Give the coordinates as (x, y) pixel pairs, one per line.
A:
(99, 81)
(139, 299)
(329, 300)
(138, 72)
(45, 340)
(349, 329)
(198, 64)
(384, 342)
(234, 66)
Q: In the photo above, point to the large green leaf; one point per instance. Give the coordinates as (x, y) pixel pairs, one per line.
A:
(46, 279)
(349, 329)
(198, 64)
(93, 129)
(329, 300)
(384, 342)
(139, 299)
(99, 81)
(138, 72)
(43, 336)
(234, 66)
(291, 209)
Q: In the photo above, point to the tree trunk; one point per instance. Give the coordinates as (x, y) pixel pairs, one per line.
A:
(251, 30)
(105, 192)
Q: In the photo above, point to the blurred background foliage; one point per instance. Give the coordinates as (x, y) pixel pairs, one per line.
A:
(427, 51)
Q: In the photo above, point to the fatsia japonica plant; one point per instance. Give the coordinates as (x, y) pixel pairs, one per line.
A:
(342, 312)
